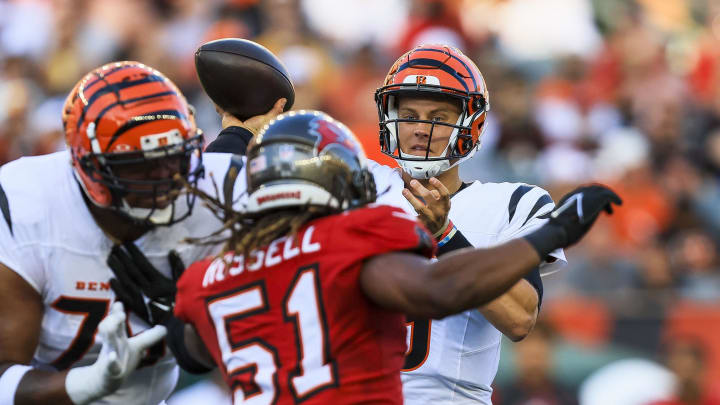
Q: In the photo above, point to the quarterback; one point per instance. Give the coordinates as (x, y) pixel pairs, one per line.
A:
(307, 305)
(432, 111)
(132, 145)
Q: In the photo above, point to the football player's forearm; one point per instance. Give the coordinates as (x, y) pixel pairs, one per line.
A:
(470, 278)
(42, 387)
(515, 312)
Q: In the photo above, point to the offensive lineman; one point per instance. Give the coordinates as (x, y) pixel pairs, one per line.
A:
(432, 111)
(129, 131)
(306, 305)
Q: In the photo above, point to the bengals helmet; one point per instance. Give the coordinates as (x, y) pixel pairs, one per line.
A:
(304, 158)
(433, 70)
(125, 117)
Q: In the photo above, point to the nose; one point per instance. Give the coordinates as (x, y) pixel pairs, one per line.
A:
(422, 129)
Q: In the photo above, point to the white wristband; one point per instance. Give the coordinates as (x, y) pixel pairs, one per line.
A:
(9, 381)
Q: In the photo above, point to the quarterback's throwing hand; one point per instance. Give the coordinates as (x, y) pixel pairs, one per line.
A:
(573, 216)
(118, 358)
(433, 206)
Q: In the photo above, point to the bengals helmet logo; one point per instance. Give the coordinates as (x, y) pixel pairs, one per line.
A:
(421, 79)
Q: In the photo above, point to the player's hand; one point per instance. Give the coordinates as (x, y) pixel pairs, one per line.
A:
(573, 217)
(119, 356)
(252, 124)
(577, 211)
(140, 286)
(432, 206)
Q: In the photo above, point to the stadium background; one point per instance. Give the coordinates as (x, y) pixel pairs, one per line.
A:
(626, 92)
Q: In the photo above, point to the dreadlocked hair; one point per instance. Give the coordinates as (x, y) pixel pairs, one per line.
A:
(245, 232)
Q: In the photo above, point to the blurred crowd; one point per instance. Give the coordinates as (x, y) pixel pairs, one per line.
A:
(625, 92)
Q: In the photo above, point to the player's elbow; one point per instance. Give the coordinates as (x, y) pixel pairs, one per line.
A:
(520, 327)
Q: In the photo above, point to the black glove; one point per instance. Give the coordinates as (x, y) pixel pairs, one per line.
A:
(573, 216)
(140, 286)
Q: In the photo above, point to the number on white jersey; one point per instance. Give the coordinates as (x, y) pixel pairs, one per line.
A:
(418, 335)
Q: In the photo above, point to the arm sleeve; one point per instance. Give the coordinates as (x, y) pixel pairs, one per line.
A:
(231, 140)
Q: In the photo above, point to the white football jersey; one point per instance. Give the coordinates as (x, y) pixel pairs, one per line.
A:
(454, 360)
(50, 239)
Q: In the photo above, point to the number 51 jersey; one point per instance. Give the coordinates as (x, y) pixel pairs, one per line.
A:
(291, 323)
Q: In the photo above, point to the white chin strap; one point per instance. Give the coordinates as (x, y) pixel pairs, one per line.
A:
(157, 216)
(291, 195)
(424, 169)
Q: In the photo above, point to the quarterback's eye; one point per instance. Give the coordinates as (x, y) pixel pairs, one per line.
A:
(441, 118)
(408, 116)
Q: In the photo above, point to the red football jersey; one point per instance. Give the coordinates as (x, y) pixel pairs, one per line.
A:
(291, 323)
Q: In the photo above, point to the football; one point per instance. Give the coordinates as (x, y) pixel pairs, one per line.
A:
(242, 77)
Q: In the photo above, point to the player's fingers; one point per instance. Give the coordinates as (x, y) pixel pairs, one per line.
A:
(111, 326)
(436, 195)
(416, 204)
(278, 107)
(439, 186)
(148, 338)
(129, 272)
(114, 367)
(420, 190)
(176, 264)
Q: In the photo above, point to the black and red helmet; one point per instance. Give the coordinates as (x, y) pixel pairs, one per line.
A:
(306, 158)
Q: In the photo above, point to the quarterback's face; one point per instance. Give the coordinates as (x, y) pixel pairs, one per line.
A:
(414, 137)
(149, 183)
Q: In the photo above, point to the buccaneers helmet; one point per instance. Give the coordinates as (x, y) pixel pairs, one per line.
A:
(304, 158)
(433, 70)
(125, 117)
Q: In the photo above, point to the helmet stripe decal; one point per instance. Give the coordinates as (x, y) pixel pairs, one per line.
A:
(131, 100)
(144, 119)
(115, 88)
(454, 57)
(436, 64)
(104, 75)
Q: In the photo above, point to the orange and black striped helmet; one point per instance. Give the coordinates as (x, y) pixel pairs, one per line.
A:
(434, 70)
(125, 116)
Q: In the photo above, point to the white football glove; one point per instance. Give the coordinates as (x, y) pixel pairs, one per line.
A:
(118, 358)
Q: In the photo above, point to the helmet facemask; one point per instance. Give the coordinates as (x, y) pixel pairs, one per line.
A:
(134, 142)
(435, 72)
(135, 193)
(460, 145)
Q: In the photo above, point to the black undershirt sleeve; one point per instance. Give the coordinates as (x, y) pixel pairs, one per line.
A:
(231, 140)
(459, 241)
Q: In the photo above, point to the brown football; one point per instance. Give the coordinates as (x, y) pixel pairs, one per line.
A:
(242, 77)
